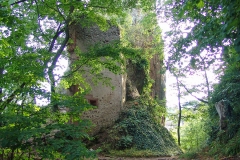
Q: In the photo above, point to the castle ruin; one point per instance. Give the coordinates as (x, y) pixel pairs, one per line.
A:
(110, 102)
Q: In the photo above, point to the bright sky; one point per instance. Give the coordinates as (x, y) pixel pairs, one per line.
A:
(171, 90)
(62, 65)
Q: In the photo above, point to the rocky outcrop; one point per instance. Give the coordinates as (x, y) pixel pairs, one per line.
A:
(135, 80)
(159, 84)
(157, 74)
(224, 112)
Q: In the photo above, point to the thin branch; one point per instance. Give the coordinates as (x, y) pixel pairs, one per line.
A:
(60, 12)
(75, 70)
(201, 100)
(1, 76)
(205, 76)
(19, 2)
(56, 11)
(11, 97)
(57, 34)
(39, 21)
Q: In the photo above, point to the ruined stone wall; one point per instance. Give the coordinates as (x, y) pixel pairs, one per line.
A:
(136, 77)
(158, 87)
(109, 102)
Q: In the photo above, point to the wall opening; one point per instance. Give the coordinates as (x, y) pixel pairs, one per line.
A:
(91, 100)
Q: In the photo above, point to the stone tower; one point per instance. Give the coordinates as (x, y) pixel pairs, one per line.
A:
(111, 102)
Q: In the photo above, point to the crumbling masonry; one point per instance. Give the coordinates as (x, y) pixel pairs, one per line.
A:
(110, 102)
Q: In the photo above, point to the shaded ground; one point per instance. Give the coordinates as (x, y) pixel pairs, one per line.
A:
(126, 158)
(166, 158)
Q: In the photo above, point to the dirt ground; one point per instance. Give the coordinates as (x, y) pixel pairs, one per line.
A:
(165, 158)
(126, 158)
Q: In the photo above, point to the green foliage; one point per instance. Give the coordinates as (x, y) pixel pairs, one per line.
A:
(211, 33)
(194, 133)
(189, 155)
(194, 136)
(114, 55)
(226, 142)
(228, 148)
(133, 152)
(137, 128)
(29, 130)
(124, 142)
(33, 37)
(142, 32)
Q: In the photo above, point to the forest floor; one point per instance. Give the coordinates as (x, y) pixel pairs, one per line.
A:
(128, 158)
(166, 158)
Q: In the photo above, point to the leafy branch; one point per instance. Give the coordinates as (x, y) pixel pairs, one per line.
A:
(11, 97)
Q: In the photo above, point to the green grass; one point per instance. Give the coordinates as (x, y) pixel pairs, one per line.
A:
(189, 155)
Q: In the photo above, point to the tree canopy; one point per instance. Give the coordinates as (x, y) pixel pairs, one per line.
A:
(34, 36)
(205, 35)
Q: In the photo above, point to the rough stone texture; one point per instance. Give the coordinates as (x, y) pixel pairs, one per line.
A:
(109, 102)
(85, 37)
(135, 81)
(127, 87)
(136, 77)
(224, 111)
(158, 77)
(159, 85)
(131, 90)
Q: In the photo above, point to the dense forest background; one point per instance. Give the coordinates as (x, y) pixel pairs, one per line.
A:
(204, 36)
(205, 44)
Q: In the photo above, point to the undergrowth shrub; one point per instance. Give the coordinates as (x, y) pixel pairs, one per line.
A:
(31, 132)
(137, 128)
(125, 142)
(226, 142)
(189, 155)
(133, 152)
(229, 148)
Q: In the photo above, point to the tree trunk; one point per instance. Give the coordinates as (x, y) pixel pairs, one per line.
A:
(207, 82)
(1, 75)
(180, 111)
(57, 55)
(206, 78)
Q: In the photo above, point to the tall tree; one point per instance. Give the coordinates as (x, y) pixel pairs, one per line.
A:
(34, 36)
(179, 110)
(213, 29)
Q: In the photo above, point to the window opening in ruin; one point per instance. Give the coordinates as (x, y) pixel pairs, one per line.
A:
(93, 102)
